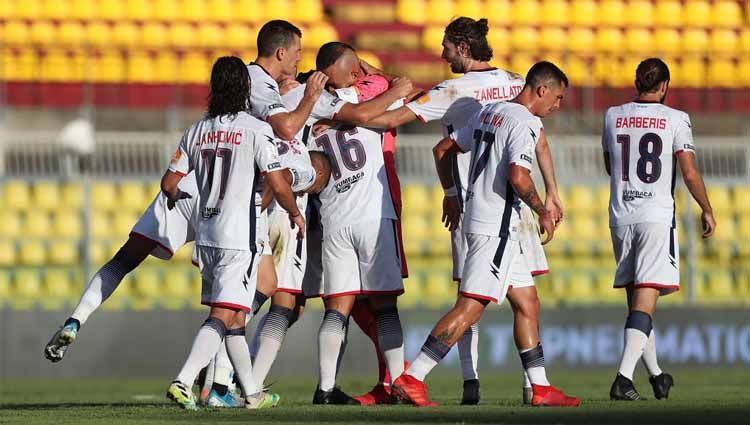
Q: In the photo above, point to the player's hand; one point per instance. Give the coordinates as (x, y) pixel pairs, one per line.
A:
(299, 222)
(320, 127)
(287, 85)
(315, 85)
(179, 195)
(451, 212)
(709, 223)
(553, 204)
(401, 86)
(547, 226)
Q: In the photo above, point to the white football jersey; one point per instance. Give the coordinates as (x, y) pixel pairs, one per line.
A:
(326, 107)
(455, 101)
(265, 99)
(501, 134)
(641, 140)
(358, 188)
(226, 153)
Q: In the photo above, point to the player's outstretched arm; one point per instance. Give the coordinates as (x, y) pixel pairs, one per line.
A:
(286, 125)
(392, 119)
(169, 186)
(520, 179)
(282, 191)
(364, 113)
(697, 188)
(444, 152)
(544, 158)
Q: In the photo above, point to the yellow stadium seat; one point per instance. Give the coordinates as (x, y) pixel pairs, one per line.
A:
(307, 11)
(132, 195)
(125, 34)
(194, 69)
(58, 284)
(521, 63)
(553, 38)
(37, 223)
(82, 9)
(694, 40)
(668, 13)
(667, 40)
(27, 288)
(499, 40)
(111, 10)
(66, 223)
(498, 12)
(10, 224)
(580, 198)
(745, 41)
(46, 195)
(744, 72)
(210, 35)
(247, 11)
(440, 12)
(147, 283)
(720, 286)
(579, 71)
(470, 8)
(7, 253)
(63, 252)
(697, 13)
(720, 198)
(123, 222)
(32, 252)
(555, 12)
(6, 10)
(638, 40)
(581, 40)
(221, 10)
(693, 72)
(99, 34)
(723, 73)
(724, 41)
(182, 35)
(237, 36)
(726, 14)
(525, 12)
(611, 12)
(16, 33)
(610, 40)
(524, 39)
(104, 196)
(726, 229)
(141, 68)
(607, 293)
(165, 66)
(370, 58)
(25, 9)
(71, 33)
(741, 198)
(432, 38)
(639, 13)
(139, 10)
(101, 224)
(5, 288)
(56, 67)
(177, 290)
(154, 34)
(273, 9)
(319, 34)
(43, 33)
(581, 288)
(743, 229)
(439, 291)
(583, 13)
(71, 196)
(415, 198)
(55, 9)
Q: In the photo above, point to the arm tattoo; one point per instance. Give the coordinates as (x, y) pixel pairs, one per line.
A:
(531, 198)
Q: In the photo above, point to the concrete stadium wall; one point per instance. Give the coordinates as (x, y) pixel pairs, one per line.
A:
(155, 343)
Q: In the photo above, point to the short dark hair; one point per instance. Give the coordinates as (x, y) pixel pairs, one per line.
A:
(473, 33)
(544, 72)
(649, 74)
(276, 34)
(329, 53)
(230, 87)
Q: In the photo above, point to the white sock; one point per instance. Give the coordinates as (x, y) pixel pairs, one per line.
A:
(526, 380)
(239, 355)
(209, 381)
(429, 356)
(635, 341)
(101, 286)
(391, 340)
(205, 346)
(270, 337)
(649, 356)
(532, 360)
(468, 352)
(222, 366)
(330, 338)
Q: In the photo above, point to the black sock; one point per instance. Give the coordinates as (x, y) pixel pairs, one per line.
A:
(220, 389)
(72, 320)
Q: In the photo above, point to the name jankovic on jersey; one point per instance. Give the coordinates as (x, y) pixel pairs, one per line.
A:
(632, 195)
(347, 183)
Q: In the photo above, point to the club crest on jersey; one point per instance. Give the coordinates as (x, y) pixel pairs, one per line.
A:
(176, 157)
(347, 183)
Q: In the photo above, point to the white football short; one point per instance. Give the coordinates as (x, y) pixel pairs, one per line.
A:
(312, 282)
(228, 277)
(261, 230)
(362, 259)
(169, 229)
(647, 255)
(493, 265)
(289, 253)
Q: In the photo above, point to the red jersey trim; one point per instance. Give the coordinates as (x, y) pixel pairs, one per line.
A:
(229, 306)
(477, 296)
(539, 272)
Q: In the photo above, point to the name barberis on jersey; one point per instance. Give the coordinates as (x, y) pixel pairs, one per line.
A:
(218, 137)
(641, 122)
(497, 93)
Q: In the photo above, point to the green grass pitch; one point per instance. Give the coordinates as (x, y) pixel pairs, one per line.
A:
(701, 396)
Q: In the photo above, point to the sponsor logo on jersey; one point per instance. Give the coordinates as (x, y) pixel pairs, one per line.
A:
(274, 165)
(272, 87)
(688, 146)
(632, 195)
(273, 106)
(209, 212)
(527, 158)
(335, 101)
(347, 183)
